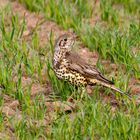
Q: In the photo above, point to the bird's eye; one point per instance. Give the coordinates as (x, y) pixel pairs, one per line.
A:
(65, 39)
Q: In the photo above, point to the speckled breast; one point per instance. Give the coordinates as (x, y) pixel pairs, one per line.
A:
(71, 76)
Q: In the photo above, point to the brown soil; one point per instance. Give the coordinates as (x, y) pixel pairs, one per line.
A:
(11, 107)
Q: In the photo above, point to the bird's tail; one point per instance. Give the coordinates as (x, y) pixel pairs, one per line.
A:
(111, 86)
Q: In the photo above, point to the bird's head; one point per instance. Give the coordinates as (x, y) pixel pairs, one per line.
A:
(65, 43)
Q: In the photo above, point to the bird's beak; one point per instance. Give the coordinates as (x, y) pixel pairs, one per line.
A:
(76, 37)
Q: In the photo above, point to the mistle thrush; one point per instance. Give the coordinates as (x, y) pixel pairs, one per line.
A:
(71, 67)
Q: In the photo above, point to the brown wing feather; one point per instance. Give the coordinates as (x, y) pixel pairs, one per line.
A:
(78, 64)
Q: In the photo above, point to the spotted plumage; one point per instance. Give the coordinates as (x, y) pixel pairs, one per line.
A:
(72, 68)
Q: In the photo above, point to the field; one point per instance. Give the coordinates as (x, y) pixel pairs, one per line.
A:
(34, 104)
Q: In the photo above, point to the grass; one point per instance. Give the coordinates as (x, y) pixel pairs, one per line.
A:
(91, 123)
(114, 41)
(114, 38)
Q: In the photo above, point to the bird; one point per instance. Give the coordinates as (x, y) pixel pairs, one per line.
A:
(70, 67)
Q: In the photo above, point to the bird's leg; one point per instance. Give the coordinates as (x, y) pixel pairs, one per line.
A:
(83, 93)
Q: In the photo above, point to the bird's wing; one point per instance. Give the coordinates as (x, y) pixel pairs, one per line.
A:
(78, 64)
